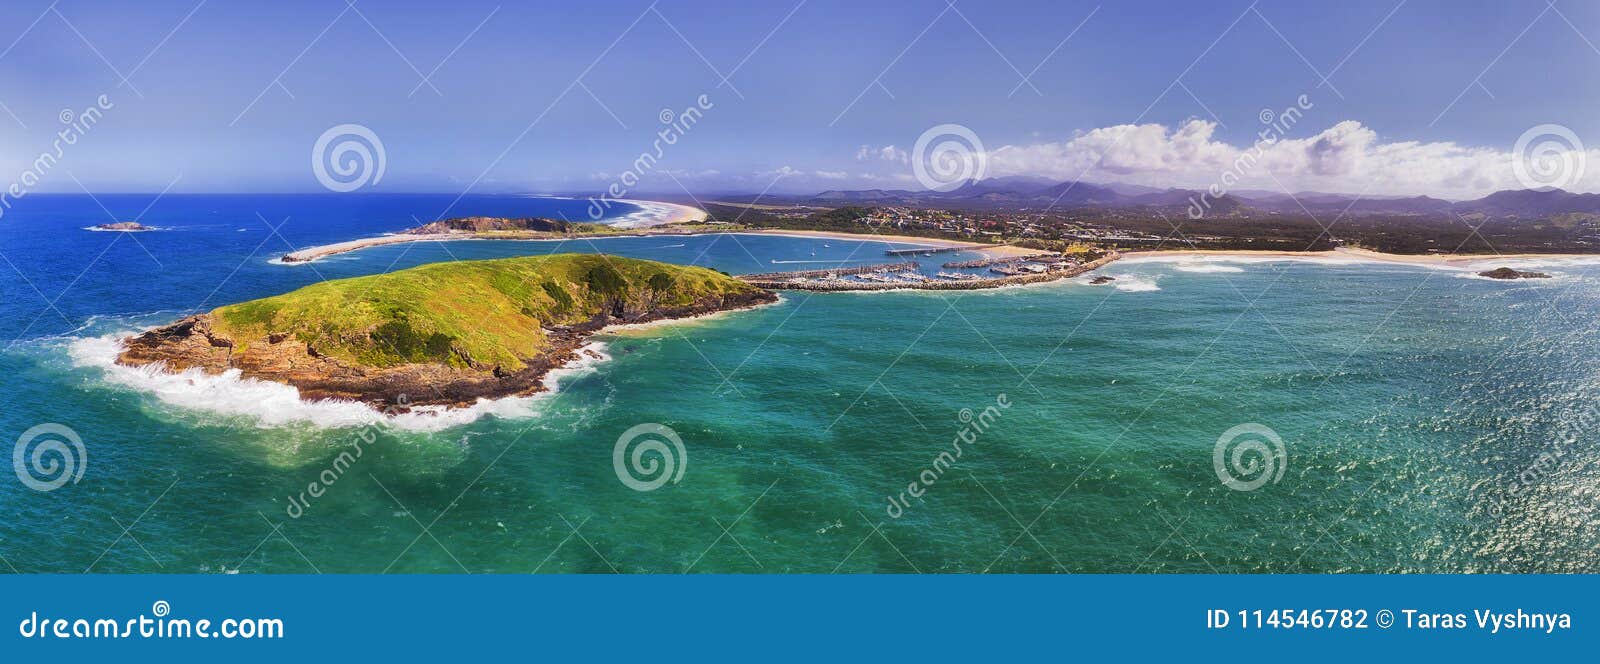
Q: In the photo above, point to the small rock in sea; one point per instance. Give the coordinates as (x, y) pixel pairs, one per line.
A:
(1101, 280)
(123, 226)
(1508, 273)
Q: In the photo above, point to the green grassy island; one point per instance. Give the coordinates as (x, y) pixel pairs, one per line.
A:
(446, 333)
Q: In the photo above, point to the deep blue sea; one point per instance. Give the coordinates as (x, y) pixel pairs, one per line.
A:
(1386, 418)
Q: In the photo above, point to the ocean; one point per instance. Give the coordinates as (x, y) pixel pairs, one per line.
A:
(1401, 418)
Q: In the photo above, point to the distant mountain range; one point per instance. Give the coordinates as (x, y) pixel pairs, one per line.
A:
(1031, 193)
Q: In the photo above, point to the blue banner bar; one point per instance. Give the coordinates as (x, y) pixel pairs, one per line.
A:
(799, 618)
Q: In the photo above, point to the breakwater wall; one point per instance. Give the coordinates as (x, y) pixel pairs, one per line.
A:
(837, 271)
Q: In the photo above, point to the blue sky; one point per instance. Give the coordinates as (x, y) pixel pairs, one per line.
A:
(222, 96)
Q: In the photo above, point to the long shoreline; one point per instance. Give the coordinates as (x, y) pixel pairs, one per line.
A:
(310, 254)
(683, 213)
(1354, 255)
(666, 214)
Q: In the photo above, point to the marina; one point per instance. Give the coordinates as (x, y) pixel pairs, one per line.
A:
(897, 276)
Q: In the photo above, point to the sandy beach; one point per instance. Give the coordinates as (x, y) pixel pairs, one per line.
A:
(312, 253)
(658, 213)
(676, 214)
(651, 214)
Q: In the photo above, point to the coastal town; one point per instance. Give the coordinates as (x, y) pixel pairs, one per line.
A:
(989, 226)
(1537, 222)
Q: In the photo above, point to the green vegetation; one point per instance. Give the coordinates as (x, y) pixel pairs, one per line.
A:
(467, 313)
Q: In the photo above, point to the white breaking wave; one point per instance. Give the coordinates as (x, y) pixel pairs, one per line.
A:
(1205, 267)
(1135, 284)
(350, 256)
(652, 213)
(273, 404)
(1472, 274)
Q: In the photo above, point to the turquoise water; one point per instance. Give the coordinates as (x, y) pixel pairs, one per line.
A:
(1413, 404)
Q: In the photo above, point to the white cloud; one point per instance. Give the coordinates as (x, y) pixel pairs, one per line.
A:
(885, 153)
(1347, 157)
(783, 171)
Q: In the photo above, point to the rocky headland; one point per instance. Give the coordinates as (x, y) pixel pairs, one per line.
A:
(475, 225)
(440, 334)
(461, 228)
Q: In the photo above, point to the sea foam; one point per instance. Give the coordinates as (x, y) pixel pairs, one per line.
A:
(1128, 283)
(1205, 267)
(273, 404)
